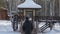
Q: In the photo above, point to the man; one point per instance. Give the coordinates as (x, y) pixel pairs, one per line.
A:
(27, 26)
(15, 22)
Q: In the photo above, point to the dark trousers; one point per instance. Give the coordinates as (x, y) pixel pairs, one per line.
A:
(15, 26)
(27, 32)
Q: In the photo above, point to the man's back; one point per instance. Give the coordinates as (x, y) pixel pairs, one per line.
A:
(27, 27)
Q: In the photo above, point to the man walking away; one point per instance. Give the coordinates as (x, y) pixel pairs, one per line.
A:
(27, 26)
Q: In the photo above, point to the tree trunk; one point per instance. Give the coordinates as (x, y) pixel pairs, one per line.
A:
(52, 7)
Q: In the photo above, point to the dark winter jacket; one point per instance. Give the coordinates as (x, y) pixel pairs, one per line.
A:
(27, 27)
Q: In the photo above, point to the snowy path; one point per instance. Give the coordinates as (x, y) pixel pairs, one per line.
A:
(5, 27)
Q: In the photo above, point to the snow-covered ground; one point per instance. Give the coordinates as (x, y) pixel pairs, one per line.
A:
(55, 30)
(6, 28)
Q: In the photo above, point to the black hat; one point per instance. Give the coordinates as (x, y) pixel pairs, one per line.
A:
(26, 17)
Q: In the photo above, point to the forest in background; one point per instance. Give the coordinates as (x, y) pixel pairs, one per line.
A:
(46, 6)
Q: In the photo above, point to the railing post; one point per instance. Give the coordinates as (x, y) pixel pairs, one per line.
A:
(36, 26)
(35, 31)
(21, 25)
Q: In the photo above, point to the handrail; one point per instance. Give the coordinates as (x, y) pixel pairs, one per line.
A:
(44, 27)
(48, 20)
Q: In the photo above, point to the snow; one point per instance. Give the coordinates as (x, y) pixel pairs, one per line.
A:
(6, 28)
(41, 24)
(29, 4)
(4, 22)
(57, 27)
(55, 30)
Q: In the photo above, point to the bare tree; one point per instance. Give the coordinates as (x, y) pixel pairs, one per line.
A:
(52, 7)
(2, 4)
(59, 7)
